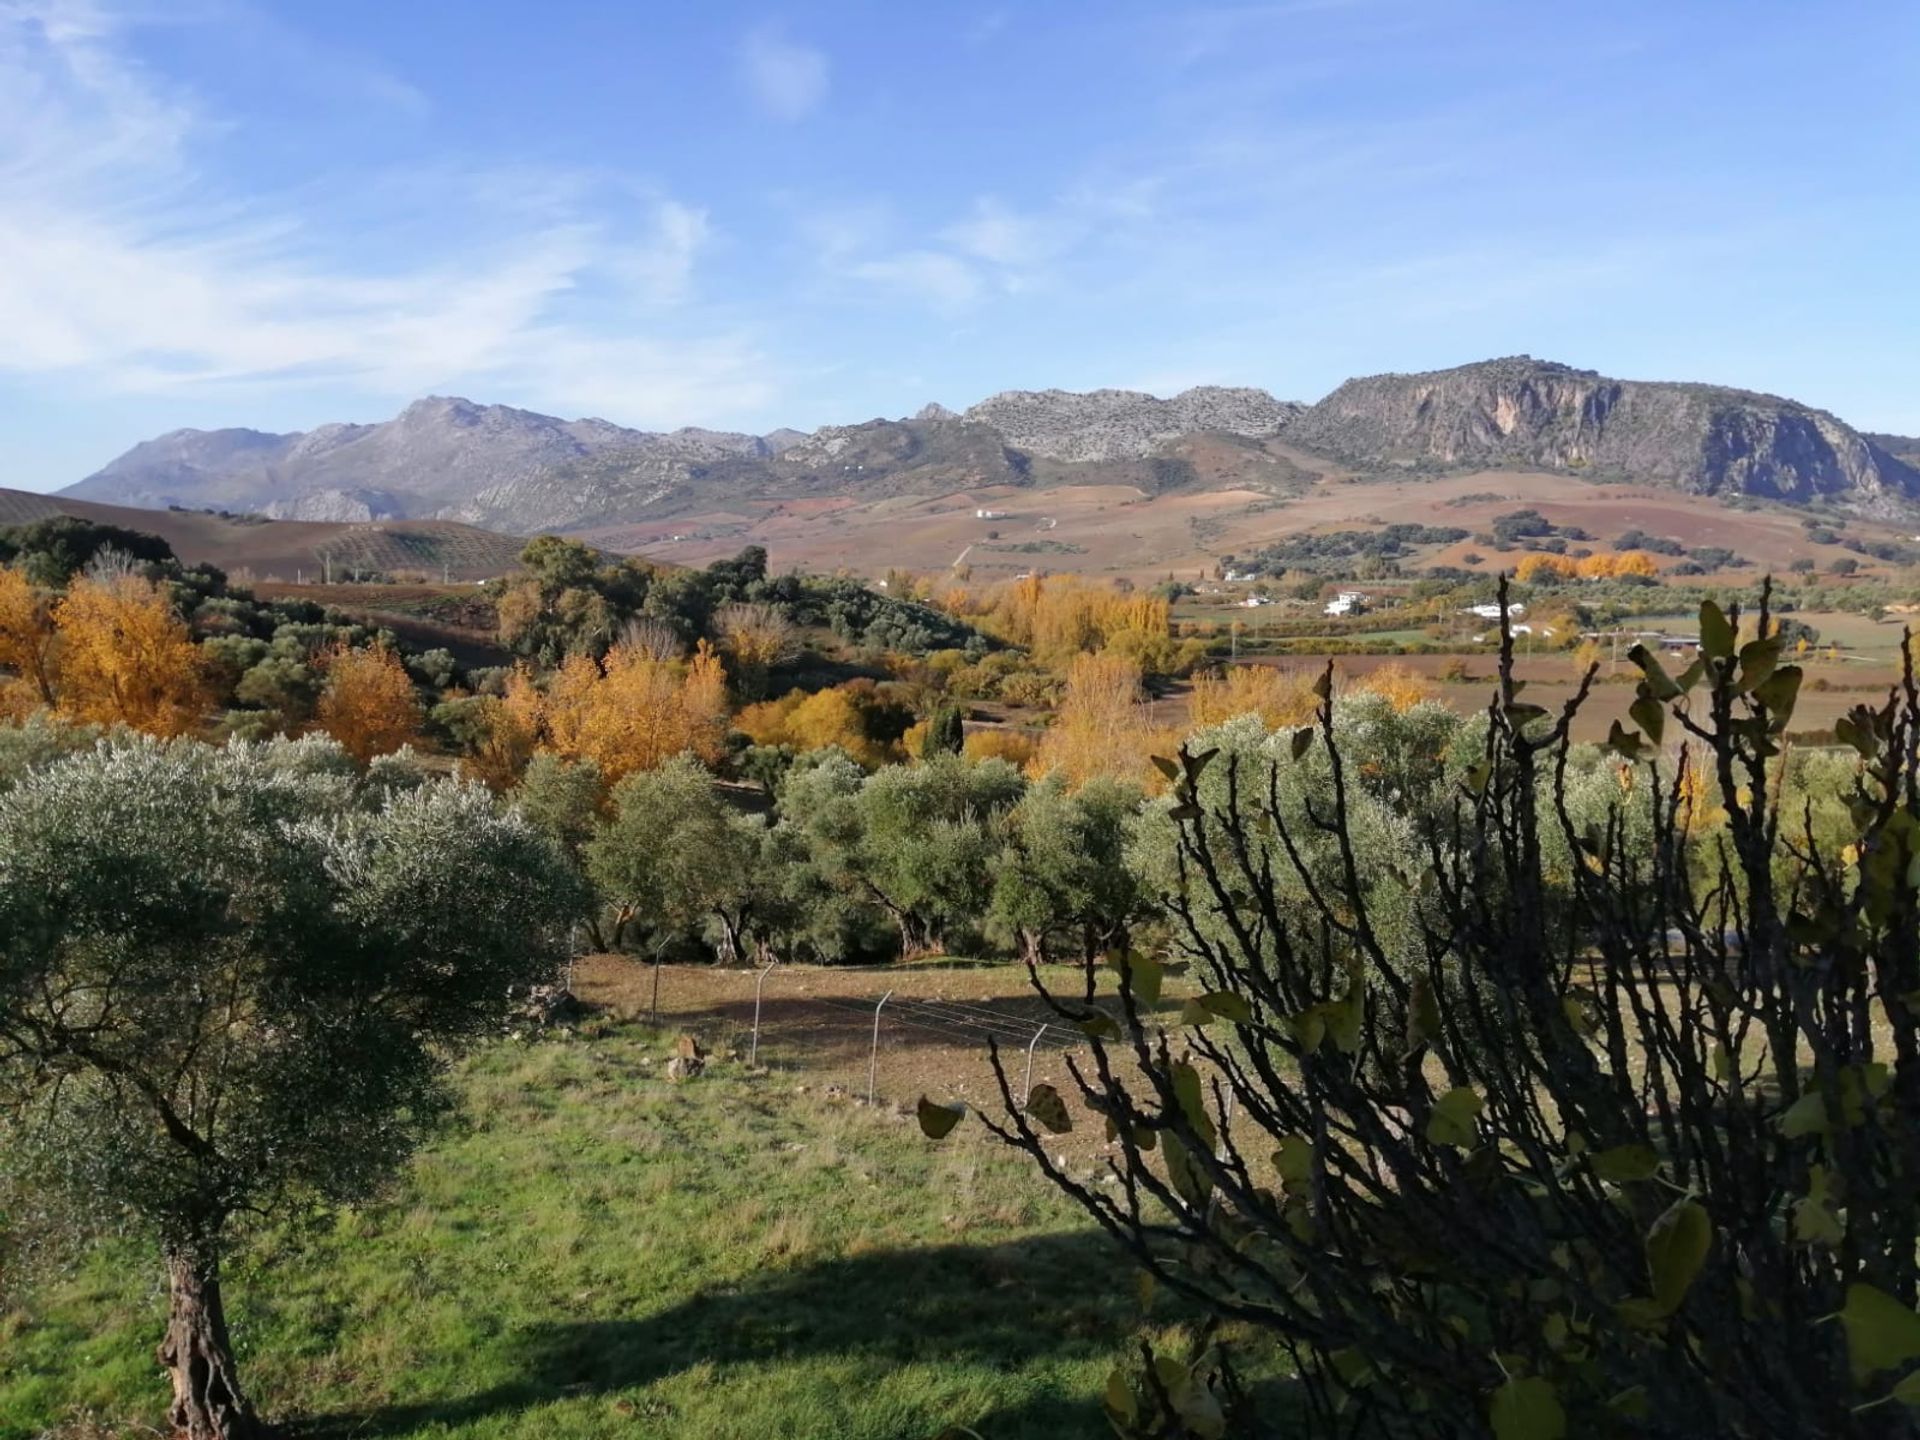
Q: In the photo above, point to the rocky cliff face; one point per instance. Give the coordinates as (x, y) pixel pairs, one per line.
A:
(1520, 411)
(1125, 424)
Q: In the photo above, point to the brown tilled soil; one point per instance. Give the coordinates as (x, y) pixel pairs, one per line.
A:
(817, 1026)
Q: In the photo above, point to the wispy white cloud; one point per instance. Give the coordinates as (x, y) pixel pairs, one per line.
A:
(124, 269)
(786, 79)
(943, 282)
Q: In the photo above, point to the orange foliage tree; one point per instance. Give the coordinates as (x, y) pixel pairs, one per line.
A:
(1103, 727)
(631, 711)
(369, 704)
(26, 644)
(1060, 616)
(1279, 697)
(1537, 567)
(813, 722)
(126, 659)
(1625, 562)
(1401, 687)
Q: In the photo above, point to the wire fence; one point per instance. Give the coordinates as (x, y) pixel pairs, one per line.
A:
(882, 1019)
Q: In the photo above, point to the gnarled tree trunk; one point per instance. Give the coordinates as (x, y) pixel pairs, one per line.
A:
(208, 1403)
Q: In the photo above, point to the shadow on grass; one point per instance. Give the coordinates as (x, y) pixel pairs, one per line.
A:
(1053, 1297)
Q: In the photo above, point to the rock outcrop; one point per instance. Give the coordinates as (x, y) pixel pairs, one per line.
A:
(1125, 424)
(1706, 439)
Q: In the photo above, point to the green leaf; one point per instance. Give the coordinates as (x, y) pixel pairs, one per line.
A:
(1451, 1121)
(1097, 1026)
(1677, 1247)
(1228, 1006)
(1045, 1105)
(1192, 1095)
(1165, 766)
(937, 1121)
(1522, 713)
(1187, 811)
(1626, 1162)
(1907, 1392)
(1881, 1332)
(1623, 743)
(1194, 1014)
(1294, 1160)
(1143, 975)
(1658, 681)
(1323, 685)
(1118, 1400)
(1806, 1116)
(1199, 762)
(1716, 635)
(1780, 693)
(1527, 1409)
(1813, 1217)
(1650, 715)
(1300, 741)
(1757, 661)
(1189, 1181)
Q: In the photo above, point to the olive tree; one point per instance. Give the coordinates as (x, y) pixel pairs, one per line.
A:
(676, 857)
(918, 842)
(230, 983)
(1062, 887)
(1634, 1157)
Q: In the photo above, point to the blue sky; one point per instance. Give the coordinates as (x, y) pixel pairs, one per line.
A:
(227, 212)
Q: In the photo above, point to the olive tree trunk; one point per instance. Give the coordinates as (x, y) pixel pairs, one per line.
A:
(197, 1354)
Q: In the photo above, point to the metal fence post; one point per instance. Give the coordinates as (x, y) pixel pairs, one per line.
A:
(1026, 1089)
(873, 1059)
(753, 1049)
(654, 1018)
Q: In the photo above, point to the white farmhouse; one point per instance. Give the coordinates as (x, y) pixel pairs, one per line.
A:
(1491, 610)
(1348, 602)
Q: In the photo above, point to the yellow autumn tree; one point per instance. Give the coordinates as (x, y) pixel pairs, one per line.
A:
(369, 703)
(1401, 687)
(26, 645)
(1016, 747)
(1060, 616)
(1279, 697)
(1103, 727)
(126, 658)
(631, 711)
(813, 722)
(1537, 567)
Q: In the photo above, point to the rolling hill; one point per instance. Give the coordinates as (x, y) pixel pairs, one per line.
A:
(288, 549)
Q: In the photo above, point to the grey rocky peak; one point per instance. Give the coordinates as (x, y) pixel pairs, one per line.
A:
(1126, 424)
(1708, 439)
(934, 410)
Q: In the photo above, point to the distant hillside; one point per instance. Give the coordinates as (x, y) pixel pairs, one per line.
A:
(1706, 439)
(522, 472)
(285, 549)
(430, 460)
(1901, 447)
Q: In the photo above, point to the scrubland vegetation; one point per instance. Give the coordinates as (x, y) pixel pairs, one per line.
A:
(1511, 1085)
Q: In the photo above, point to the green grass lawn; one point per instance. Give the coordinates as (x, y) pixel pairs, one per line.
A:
(597, 1252)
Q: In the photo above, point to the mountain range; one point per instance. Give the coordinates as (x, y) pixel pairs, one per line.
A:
(515, 470)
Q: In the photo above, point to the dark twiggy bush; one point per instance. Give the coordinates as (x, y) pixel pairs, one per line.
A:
(1632, 1151)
